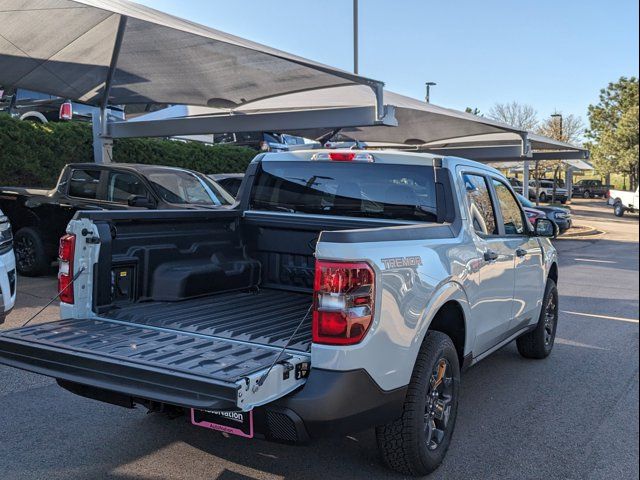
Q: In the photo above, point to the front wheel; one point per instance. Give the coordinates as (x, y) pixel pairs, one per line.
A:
(543, 197)
(586, 194)
(539, 342)
(618, 210)
(417, 442)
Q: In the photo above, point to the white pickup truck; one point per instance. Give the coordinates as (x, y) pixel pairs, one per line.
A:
(7, 268)
(623, 201)
(344, 290)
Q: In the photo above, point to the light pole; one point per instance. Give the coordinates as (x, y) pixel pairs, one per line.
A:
(355, 36)
(428, 95)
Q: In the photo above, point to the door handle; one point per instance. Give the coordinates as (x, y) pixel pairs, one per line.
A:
(521, 252)
(490, 256)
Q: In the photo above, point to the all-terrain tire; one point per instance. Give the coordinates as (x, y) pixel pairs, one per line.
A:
(403, 443)
(31, 256)
(538, 343)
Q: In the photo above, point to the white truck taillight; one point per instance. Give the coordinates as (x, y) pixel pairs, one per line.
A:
(66, 251)
(343, 301)
(66, 111)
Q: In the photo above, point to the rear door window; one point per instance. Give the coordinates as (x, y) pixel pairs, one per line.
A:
(121, 186)
(481, 209)
(357, 189)
(84, 184)
(512, 217)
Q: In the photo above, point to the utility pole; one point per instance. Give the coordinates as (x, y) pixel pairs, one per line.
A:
(428, 95)
(355, 36)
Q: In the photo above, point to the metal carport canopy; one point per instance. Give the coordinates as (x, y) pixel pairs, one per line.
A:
(505, 147)
(118, 52)
(335, 108)
(87, 50)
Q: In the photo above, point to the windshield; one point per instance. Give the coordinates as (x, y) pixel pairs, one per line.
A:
(358, 189)
(182, 187)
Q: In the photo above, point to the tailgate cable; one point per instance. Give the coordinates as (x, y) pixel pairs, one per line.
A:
(75, 277)
(261, 380)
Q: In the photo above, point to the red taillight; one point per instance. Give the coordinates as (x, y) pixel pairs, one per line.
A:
(66, 251)
(343, 301)
(66, 111)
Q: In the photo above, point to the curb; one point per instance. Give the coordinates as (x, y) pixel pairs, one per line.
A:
(587, 234)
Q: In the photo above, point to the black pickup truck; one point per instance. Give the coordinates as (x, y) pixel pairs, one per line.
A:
(590, 188)
(39, 217)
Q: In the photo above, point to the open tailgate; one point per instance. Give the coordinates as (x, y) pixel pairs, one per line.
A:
(175, 367)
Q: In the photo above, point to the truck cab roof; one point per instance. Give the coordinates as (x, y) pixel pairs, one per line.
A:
(378, 156)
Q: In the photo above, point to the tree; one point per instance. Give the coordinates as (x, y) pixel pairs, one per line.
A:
(515, 114)
(613, 129)
(566, 128)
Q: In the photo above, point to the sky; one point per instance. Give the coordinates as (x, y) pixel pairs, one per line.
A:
(555, 55)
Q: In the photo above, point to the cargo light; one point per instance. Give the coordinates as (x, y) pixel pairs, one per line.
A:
(342, 302)
(66, 252)
(66, 111)
(343, 157)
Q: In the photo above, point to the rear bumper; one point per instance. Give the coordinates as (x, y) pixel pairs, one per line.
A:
(334, 403)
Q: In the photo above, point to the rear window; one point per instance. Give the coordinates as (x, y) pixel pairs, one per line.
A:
(357, 189)
(84, 184)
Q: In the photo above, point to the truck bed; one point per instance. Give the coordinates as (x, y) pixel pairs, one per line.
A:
(267, 317)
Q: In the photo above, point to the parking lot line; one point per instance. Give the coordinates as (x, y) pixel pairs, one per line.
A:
(593, 260)
(605, 317)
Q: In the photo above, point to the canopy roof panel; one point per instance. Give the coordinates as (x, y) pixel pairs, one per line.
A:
(418, 122)
(66, 48)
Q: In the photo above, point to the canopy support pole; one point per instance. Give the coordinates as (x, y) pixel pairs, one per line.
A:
(526, 154)
(378, 90)
(102, 141)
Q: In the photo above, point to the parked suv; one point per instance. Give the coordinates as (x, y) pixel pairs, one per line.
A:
(346, 290)
(42, 107)
(545, 188)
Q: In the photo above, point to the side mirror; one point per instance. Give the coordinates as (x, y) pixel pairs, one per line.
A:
(545, 228)
(140, 201)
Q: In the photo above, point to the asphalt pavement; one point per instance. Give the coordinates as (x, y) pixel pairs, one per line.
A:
(571, 416)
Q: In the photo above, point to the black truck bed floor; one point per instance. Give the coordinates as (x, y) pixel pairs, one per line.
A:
(267, 317)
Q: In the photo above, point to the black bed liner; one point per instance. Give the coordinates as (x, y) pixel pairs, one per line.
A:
(267, 317)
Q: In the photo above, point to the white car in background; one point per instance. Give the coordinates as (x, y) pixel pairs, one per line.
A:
(7, 268)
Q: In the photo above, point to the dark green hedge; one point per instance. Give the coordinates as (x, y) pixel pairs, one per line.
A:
(33, 154)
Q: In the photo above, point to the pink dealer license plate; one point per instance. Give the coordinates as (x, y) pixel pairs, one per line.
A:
(234, 423)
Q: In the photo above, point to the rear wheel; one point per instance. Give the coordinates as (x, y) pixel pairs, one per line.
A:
(543, 197)
(586, 194)
(31, 257)
(539, 342)
(417, 442)
(618, 210)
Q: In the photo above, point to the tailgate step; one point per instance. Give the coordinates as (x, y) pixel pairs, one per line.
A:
(181, 368)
